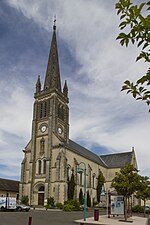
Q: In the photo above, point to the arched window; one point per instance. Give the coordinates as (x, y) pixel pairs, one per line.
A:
(81, 179)
(42, 145)
(41, 110)
(41, 188)
(45, 109)
(44, 166)
(39, 167)
(61, 112)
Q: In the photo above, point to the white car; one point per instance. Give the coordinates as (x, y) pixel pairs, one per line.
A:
(22, 207)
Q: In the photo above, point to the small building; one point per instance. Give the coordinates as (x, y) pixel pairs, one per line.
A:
(9, 188)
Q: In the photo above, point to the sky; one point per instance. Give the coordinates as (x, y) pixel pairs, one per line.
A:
(102, 118)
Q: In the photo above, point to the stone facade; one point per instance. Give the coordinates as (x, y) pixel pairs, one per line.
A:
(50, 156)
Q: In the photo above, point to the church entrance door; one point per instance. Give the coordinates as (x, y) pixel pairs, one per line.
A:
(40, 198)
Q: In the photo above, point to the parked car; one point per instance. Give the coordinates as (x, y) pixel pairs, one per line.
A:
(22, 207)
(147, 207)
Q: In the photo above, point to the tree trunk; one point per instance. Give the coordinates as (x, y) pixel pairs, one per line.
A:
(144, 206)
(125, 208)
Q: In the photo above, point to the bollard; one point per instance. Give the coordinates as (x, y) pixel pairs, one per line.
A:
(96, 214)
(30, 220)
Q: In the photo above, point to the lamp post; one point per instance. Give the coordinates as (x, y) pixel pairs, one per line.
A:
(79, 170)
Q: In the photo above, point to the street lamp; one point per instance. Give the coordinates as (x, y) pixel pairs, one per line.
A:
(79, 170)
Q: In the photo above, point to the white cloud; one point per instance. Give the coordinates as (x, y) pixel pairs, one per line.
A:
(100, 113)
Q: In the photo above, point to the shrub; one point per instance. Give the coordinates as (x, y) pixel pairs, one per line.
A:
(74, 203)
(50, 203)
(68, 208)
(138, 209)
(59, 205)
(25, 200)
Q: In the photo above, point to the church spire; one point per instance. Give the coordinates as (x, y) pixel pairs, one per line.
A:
(52, 78)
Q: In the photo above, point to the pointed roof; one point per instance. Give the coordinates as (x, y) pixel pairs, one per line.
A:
(52, 78)
(117, 160)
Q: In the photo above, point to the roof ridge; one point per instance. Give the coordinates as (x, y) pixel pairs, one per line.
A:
(119, 153)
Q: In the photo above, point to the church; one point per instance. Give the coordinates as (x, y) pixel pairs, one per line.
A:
(50, 156)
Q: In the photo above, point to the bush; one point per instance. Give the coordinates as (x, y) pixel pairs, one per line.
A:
(68, 208)
(138, 209)
(59, 205)
(50, 203)
(74, 203)
(25, 200)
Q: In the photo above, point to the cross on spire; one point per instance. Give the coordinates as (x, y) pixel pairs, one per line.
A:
(54, 26)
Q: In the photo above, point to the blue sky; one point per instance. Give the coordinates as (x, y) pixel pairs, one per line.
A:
(102, 118)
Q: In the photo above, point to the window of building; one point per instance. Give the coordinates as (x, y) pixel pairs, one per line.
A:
(81, 178)
(93, 181)
(42, 145)
(61, 112)
(45, 109)
(41, 188)
(39, 166)
(41, 109)
(89, 174)
(44, 166)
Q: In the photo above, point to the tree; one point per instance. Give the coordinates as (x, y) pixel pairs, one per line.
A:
(25, 200)
(136, 21)
(88, 199)
(100, 183)
(81, 199)
(144, 190)
(126, 182)
(71, 187)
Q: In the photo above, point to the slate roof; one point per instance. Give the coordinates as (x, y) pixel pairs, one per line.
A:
(117, 160)
(78, 149)
(9, 185)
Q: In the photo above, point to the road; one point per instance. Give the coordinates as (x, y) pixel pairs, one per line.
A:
(41, 217)
(44, 217)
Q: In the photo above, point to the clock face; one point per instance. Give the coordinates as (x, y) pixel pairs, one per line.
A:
(60, 130)
(43, 128)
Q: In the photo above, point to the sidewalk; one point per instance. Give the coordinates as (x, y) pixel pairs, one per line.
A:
(104, 220)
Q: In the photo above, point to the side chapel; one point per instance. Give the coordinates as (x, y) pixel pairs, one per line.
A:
(50, 156)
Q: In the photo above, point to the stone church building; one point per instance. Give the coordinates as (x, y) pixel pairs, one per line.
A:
(50, 156)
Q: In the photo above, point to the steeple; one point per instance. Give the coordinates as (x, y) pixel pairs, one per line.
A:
(52, 78)
(38, 85)
(65, 89)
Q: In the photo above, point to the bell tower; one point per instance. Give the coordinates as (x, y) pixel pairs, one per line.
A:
(50, 128)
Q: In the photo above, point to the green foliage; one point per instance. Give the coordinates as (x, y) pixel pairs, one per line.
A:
(138, 209)
(126, 182)
(50, 203)
(59, 205)
(100, 183)
(136, 20)
(71, 205)
(71, 186)
(144, 190)
(81, 198)
(88, 200)
(25, 200)
(68, 208)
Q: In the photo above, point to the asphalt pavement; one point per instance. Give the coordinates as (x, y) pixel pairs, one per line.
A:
(43, 217)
